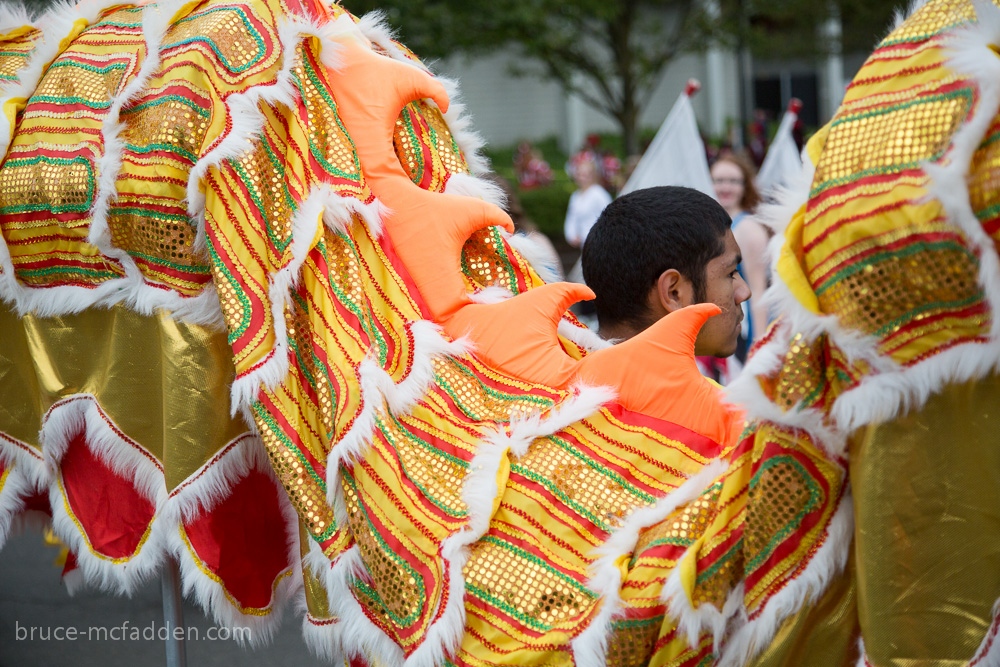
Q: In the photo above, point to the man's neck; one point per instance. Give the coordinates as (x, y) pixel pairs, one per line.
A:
(617, 333)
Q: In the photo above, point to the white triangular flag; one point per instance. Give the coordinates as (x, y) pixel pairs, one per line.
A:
(782, 161)
(677, 154)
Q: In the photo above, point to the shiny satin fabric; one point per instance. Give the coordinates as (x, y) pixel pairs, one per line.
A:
(164, 383)
(927, 513)
(823, 634)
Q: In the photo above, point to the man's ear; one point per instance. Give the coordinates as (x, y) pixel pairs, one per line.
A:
(674, 290)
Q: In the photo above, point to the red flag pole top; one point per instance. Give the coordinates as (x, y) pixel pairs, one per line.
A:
(692, 87)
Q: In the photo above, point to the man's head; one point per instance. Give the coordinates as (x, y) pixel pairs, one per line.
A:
(656, 250)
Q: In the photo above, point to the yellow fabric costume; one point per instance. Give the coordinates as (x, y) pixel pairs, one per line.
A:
(262, 317)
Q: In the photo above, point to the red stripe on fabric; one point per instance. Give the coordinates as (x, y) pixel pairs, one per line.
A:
(977, 309)
(927, 237)
(698, 443)
(842, 221)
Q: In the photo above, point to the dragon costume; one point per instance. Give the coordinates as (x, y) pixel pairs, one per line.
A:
(262, 316)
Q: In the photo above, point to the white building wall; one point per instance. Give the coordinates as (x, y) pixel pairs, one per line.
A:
(507, 109)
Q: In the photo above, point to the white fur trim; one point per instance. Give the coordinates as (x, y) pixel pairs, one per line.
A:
(536, 255)
(748, 640)
(305, 225)
(747, 392)
(490, 295)
(460, 124)
(16, 488)
(988, 653)
(583, 336)
(78, 415)
(327, 33)
(376, 29)
(590, 646)
(355, 634)
(208, 592)
(479, 490)
(14, 16)
(214, 480)
(784, 201)
(321, 637)
(339, 213)
(586, 400)
(378, 389)
(247, 121)
(480, 188)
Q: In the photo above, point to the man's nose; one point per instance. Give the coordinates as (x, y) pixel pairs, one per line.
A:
(742, 290)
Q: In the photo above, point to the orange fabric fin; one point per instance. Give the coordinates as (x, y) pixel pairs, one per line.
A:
(534, 353)
(655, 373)
(427, 229)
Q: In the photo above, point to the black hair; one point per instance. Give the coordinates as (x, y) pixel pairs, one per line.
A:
(642, 234)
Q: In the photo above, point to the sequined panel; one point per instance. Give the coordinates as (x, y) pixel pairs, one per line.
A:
(907, 288)
(91, 83)
(262, 172)
(229, 35)
(480, 401)
(159, 235)
(714, 583)
(170, 123)
(444, 143)
(298, 475)
(425, 146)
(781, 494)
(323, 389)
(523, 585)
(789, 508)
(345, 273)
(984, 184)
(918, 129)
(485, 262)
(631, 641)
(15, 51)
(47, 186)
(579, 481)
(802, 379)
(397, 585)
(436, 473)
(929, 20)
(683, 527)
(329, 144)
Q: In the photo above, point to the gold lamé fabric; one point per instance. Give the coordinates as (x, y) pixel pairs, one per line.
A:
(927, 517)
(164, 383)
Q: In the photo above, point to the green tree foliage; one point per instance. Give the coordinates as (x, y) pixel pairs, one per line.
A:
(610, 53)
(775, 29)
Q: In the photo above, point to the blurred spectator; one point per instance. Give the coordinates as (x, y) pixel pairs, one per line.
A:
(530, 168)
(586, 204)
(733, 178)
(757, 137)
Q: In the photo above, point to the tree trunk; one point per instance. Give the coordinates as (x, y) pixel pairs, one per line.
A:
(630, 133)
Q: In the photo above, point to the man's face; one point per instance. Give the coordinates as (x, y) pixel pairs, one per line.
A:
(725, 288)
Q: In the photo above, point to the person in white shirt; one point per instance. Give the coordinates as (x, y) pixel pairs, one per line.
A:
(586, 204)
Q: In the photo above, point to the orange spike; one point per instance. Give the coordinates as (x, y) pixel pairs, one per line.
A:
(427, 229)
(533, 353)
(655, 373)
